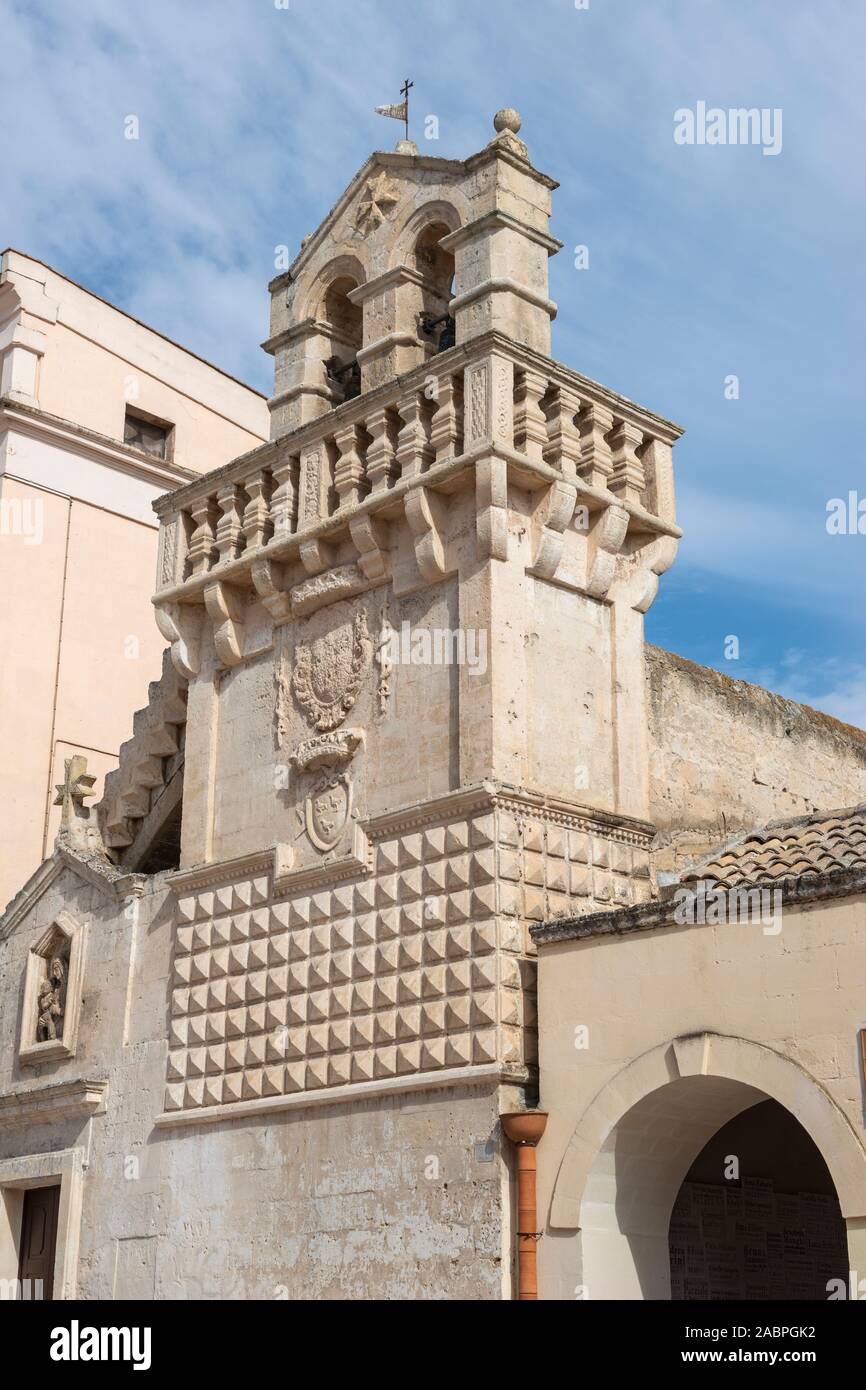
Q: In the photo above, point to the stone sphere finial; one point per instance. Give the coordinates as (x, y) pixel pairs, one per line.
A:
(507, 119)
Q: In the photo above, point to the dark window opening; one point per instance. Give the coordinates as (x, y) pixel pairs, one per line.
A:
(150, 436)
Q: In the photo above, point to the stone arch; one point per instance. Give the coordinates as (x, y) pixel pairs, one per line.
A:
(318, 280)
(637, 1139)
(450, 214)
(333, 323)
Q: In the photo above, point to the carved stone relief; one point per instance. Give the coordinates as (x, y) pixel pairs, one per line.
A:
(381, 196)
(329, 672)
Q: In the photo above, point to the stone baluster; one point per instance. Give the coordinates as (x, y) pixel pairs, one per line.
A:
(530, 425)
(414, 453)
(284, 498)
(563, 448)
(627, 479)
(228, 530)
(596, 463)
(381, 460)
(445, 425)
(257, 511)
(349, 472)
(201, 545)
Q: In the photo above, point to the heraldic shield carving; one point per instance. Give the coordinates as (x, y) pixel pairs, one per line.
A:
(326, 679)
(327, 809)
(328, 674)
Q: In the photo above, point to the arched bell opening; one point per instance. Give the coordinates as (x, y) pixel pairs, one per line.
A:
(343, 322)
(436, 265)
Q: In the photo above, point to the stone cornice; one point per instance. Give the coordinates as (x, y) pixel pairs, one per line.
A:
(498, 150)
(474, 800)
(487, 1075)
(52, 429)
(498, 218)
(397, 275)
(796, 891)
(202, 876)
(574, 816)
(305, 328)
(46, 1104)
(504, 283)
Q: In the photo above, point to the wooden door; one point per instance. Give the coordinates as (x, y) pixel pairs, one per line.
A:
(38, 1242)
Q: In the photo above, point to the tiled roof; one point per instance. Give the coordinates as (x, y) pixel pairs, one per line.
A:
(816, 844)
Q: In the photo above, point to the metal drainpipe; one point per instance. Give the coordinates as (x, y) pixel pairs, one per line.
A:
(524, 1129)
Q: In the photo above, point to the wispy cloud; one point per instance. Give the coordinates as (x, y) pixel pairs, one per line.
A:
(703, 262)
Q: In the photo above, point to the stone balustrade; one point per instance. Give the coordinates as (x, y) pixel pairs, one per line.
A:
(490, 406)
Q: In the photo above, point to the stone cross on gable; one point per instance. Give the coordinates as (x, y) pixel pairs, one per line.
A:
(71, 792)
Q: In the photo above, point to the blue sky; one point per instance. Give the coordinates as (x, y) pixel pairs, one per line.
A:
(704, 261)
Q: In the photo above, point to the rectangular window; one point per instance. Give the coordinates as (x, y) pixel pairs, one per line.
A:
(150, 436)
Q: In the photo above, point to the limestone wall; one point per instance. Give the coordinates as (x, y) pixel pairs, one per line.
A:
(727, 756)
(385, 1197)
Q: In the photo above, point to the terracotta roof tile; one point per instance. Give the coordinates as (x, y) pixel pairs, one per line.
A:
(816, 844)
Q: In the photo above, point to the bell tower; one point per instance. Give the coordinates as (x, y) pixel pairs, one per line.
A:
(413, 239)
(410, 628)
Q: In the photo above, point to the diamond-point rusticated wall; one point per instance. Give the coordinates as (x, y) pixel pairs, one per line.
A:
(418, 963)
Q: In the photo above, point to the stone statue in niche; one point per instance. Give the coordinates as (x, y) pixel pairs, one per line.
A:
(51, 1002)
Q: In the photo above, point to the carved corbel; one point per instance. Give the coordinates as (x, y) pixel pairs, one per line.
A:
(180, 624)
(267, 578)
(371, 538)
(317, 555)
(554, 513)
(639, 585)
(225, 609)
(491, 501)
(605, 542)
(425, 513)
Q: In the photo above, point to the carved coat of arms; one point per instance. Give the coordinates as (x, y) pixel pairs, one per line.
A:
(327, 809)
(326, 679)
(329, 672)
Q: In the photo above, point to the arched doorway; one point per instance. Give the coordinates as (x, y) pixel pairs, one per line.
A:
(757, 1215)
(637, 1141)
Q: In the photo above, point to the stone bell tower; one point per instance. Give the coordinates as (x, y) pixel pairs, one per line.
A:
(411, 627)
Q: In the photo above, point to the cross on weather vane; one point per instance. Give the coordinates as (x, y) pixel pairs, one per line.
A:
(399, 111)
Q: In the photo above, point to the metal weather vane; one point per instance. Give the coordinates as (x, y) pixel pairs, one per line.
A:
(399, 111)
